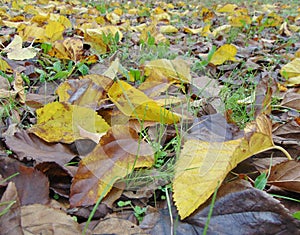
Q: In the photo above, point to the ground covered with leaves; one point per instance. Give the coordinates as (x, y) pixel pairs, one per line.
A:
(148, 117)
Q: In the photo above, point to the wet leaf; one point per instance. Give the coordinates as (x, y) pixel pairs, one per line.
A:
(60, 122)
(117, 154)
(135, 104)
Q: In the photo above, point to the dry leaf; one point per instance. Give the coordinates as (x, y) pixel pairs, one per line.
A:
(291, 72)
(286, 175)
(224, 53)
(134, 103)
(60, 122)
(116, 155)
(202, 165)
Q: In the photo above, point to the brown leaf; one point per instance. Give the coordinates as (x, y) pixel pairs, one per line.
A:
(292, 99)
(28, 146)
(116, 155)
(40, 219)
(82, 92)
(59, 176)
(246, 211)
(10, 222)
(31, 184)
(286, 175)
(114, 225)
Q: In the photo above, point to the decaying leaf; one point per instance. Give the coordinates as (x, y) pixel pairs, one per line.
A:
(32, 185)
(286, 175)
(134, 103)
(83, 92)
(203, 165)
(117, 154)
(39, 219)
(10, 210)
(239, 211)
(60, 122)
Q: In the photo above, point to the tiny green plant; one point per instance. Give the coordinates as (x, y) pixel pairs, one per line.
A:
(139, 212)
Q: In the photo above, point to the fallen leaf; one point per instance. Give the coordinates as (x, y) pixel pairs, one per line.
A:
(60, 122)
(31, 184)
(16, 52)
(39, 219)
(224, 53)
(10, 222)
(286, 175)
(83, 92)
(175, 70)
(116, 155)
(202, 165)
(242, 209)
(291, 72)
(134, 103)
(28, 146)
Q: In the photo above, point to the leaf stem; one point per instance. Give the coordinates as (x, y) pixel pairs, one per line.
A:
(284, 151)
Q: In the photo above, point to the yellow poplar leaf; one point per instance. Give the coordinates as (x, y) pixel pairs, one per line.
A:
(175, 70)
(153, 31)
(113, 69)
(240, 20)
(202, 165)
(227, 8)
(192, 31)
(168, 29)
(61, 122)
(116, 155)
(291, 72)
(4, 66)
(221, 29)
(33, 32)
(224, 53)
(134, 103)
(83, 92)
(54, 31)
(16, 52)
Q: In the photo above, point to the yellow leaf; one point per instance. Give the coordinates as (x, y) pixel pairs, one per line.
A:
(192, 31)
(113, 69)
(221, 29)
(134, 103)
(175, 70)
(83, 92)
(224, 53)
(16, 52)
(54, 31)
(203, 165)
(61, 122)
(117, 154)
(227, 8)
(291, 72)
(4, 66)
(33, 32)
(168, 29)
